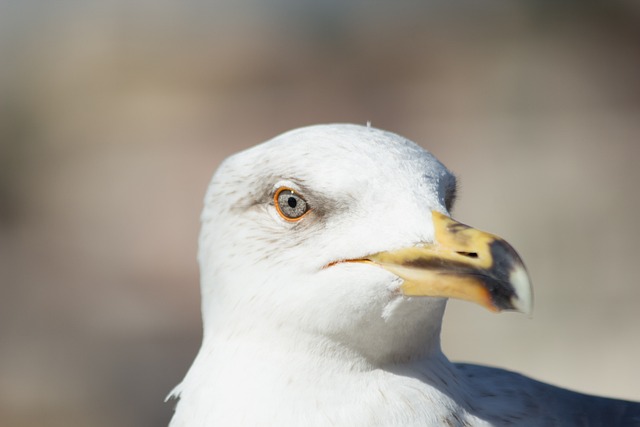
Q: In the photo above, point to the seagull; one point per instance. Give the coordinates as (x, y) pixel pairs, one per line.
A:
(327, 256)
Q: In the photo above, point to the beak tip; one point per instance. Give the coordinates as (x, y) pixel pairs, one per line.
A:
(522, 301)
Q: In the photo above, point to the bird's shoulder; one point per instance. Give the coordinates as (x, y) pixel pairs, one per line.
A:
(509, 398)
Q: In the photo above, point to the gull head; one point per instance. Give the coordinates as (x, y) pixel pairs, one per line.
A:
(343, 232)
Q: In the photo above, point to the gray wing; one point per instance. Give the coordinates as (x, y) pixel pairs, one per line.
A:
(508, 398)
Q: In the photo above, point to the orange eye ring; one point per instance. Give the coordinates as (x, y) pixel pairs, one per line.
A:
(290, 205)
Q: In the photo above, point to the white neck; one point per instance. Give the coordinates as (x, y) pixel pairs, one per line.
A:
(299, 379)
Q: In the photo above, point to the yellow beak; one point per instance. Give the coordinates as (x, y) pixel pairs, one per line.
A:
(462, 263)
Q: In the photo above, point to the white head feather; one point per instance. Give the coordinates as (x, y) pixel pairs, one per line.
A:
(280, 325)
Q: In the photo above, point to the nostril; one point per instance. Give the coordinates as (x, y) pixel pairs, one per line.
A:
(469, 254)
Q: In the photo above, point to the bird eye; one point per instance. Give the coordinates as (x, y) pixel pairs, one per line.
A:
(290, 205)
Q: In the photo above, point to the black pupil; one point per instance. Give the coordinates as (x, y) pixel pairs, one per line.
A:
(292, 202)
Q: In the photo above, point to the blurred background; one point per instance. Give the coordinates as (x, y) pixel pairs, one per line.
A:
(114, 114)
